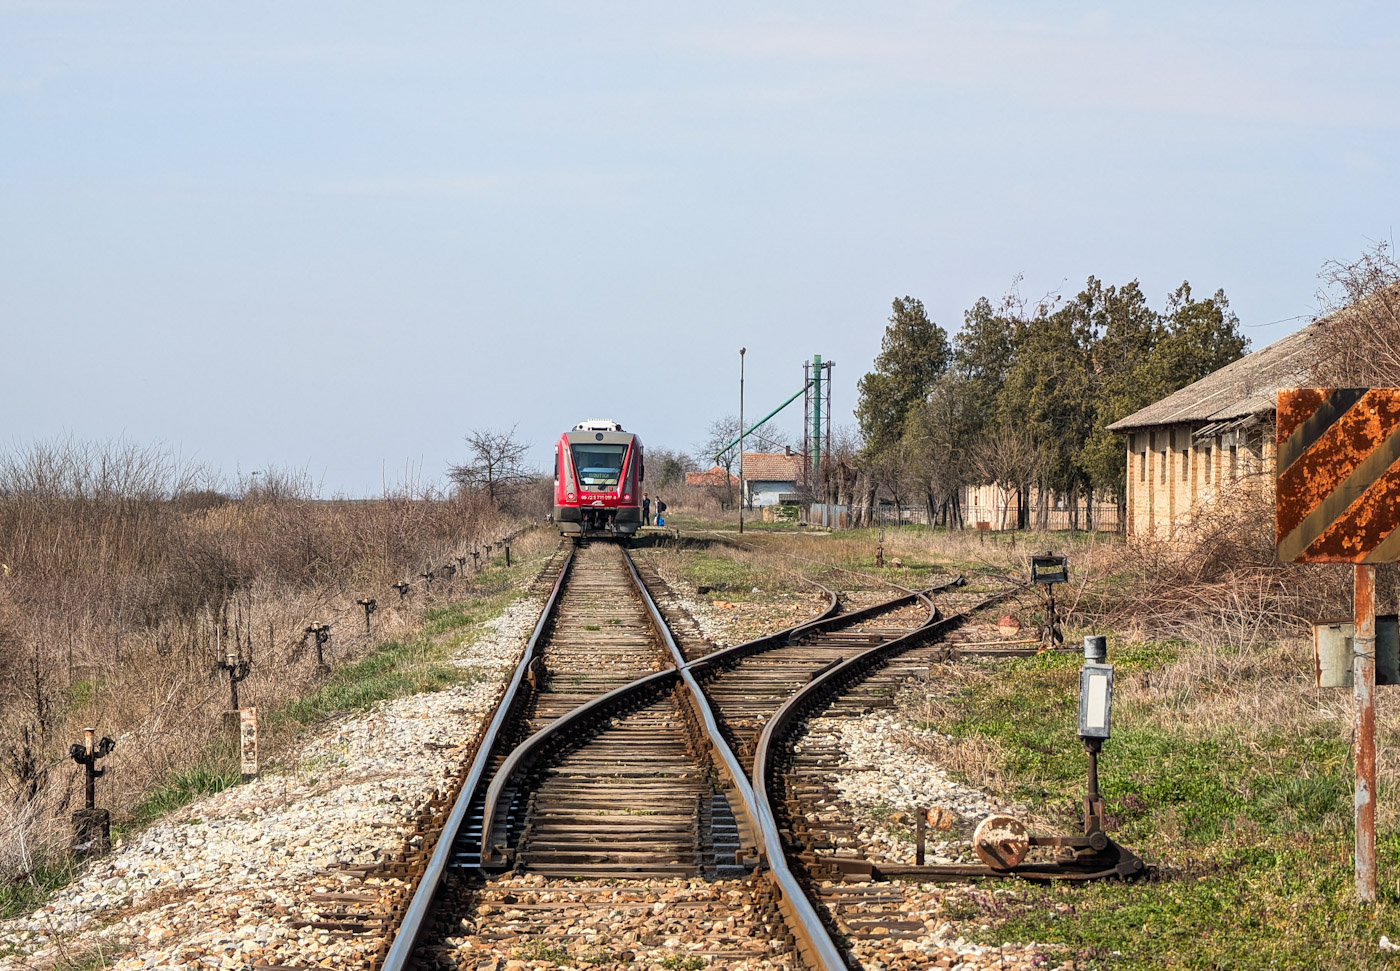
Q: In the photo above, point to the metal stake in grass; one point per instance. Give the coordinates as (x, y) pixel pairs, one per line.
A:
(322, 633)
(402, 587)
(370, 605)
(920, 821)
(91, 826)
(237, 669)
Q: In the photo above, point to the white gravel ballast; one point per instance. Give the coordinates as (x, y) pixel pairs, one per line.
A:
(280, 870)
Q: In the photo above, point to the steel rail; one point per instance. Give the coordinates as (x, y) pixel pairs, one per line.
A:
(570, 725)
(828, 621)
(802, 919)
(411, 927)
(801, 701)
(808, 929)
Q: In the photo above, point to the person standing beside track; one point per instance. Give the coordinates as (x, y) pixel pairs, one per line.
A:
(646, 510)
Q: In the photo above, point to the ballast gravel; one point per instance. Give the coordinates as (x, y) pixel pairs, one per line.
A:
(885, 778)
(281, 870)
(882, 779)
(285, 870)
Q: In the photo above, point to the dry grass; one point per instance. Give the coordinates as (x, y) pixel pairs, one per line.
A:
(122, 585)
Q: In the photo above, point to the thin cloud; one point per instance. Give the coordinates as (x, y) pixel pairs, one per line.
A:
(485, 186)
(1089, 63)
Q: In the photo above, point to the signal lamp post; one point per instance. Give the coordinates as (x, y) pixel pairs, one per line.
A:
(1095, 706)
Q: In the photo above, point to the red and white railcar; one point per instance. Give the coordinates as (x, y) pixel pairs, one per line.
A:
(598, 473)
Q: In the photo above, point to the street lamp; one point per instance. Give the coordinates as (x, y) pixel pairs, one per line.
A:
(741, 440)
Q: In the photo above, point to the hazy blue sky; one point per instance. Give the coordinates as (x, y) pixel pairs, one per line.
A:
(337, 236)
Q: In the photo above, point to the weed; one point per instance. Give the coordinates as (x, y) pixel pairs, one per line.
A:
(220, 772)
(683, 962)
(540, 949)
(31, 891)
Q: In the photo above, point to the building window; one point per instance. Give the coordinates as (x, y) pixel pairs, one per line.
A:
(1185, 463)
(1142, 466)
(1164, 465)
(1234, 463)
(1206, 457)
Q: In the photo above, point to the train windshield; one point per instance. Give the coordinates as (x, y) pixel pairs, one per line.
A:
(599, 466)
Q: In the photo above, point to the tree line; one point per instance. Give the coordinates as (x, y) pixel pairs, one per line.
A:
(1021, 396)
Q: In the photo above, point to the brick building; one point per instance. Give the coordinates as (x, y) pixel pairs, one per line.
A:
(1211, 437)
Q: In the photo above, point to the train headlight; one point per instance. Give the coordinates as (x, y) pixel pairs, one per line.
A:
(626, 498)
(570, 497)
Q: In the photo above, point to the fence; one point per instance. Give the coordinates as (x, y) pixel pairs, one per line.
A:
(828, 514)
(1106, 517)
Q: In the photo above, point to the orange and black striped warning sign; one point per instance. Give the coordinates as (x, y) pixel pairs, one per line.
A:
(1338, 497)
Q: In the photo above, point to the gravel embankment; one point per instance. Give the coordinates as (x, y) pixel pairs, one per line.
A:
(241, 878)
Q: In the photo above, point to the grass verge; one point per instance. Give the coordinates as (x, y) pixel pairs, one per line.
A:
(395, 669)
(1237, 788)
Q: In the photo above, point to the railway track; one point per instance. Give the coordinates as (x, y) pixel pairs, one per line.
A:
(606, 767)
(610, 815)
(747, 683)
(800, 760)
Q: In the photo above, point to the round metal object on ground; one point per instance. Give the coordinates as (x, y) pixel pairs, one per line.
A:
(1001, 841)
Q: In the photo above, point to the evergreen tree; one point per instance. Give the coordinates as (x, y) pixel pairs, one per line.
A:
(913, 354)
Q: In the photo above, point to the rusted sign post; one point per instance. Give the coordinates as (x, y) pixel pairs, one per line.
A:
(1338, 501)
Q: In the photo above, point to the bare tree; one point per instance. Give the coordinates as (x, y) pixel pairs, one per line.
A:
(1359, 345)
(1009, 458)
(497, 465)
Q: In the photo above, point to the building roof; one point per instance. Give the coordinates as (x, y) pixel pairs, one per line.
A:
(711, 477)
(772, 467)
(1241, 389)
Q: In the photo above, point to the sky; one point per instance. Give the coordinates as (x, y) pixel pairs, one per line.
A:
(336, 237)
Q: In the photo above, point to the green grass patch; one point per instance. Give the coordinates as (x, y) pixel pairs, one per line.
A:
(1249, 824)
(397, 669)
(541, 950)
(221, 771)
(83, 693)
(714, 569)
(32, 891)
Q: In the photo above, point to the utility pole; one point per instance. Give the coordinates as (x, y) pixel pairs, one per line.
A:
(741, 439)
(816, 422)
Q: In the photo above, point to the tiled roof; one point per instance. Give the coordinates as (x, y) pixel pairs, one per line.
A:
(1242, 388)
(772, 467)
(711, 477)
